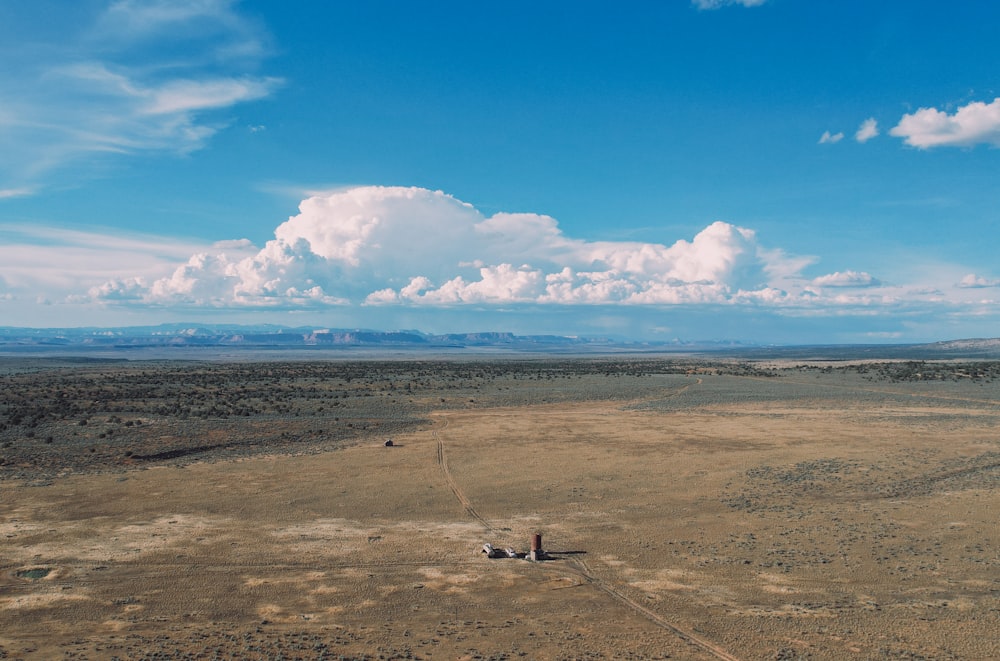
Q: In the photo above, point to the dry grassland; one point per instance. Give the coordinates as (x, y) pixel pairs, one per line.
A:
(700, 516)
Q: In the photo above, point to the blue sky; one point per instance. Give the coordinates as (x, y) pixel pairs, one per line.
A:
(760, 170)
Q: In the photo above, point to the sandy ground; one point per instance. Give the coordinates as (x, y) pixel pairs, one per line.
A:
(790, 528)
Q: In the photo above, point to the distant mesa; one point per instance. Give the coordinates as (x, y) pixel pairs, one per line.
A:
(271, 337)
(276, 337)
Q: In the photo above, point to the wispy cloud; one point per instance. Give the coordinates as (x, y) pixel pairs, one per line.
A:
(131, 19)
(15, 192)
(216, 29)
(717, 4)
(867, 130)
(830, 138)
(122, 87)
(181, 96)
(60, 262)
(972, 124)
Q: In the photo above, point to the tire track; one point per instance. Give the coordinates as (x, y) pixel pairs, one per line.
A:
(581, 569)
(455, 489)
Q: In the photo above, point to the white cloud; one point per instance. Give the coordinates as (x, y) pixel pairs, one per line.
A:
(846, 279)
(131, 18)
(884, 335)
(867, 130)
(118, 112)
(716, 4)
(973, 281)
(182, 96)
(215, 27)
(503, 283)
(381, 246)
(234, 244)
(830, 138)
(141, 76)
(117, 289)
(15, 192)
(62, 262)
(972, 124)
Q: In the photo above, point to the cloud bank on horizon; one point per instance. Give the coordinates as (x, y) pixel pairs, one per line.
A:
(413, 247)
(378, 245)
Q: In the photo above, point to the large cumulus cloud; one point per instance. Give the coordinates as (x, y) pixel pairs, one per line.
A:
(412, 246)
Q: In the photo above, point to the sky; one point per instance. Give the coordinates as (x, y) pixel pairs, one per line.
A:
(762, 171)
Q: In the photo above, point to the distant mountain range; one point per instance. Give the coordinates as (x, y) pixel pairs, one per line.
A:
(277, 337)
(269, 337)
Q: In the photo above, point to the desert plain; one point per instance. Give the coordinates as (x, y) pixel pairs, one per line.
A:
(690, 509)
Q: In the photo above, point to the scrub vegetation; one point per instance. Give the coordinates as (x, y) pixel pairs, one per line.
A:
(691, 508)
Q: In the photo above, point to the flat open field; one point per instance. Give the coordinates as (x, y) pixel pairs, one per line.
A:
(692, 510)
